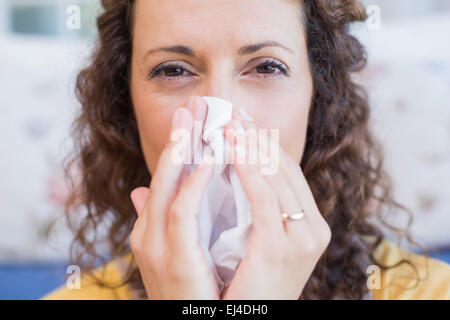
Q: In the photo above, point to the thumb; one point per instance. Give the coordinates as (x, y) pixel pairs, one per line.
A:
(138, 197)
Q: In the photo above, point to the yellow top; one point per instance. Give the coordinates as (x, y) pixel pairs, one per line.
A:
(398, 283)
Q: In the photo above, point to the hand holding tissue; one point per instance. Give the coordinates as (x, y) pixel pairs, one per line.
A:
(224, 214)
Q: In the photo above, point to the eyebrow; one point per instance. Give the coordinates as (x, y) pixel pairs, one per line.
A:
(248, 49)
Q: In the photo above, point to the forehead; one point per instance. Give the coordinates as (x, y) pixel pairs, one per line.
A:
(217, 22)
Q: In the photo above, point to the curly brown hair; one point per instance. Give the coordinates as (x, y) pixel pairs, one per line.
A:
(342, 162)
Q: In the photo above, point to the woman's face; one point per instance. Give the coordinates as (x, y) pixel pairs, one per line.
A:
(218, 58)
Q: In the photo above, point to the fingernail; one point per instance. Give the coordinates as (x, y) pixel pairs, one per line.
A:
(175, 116)
(245, 115)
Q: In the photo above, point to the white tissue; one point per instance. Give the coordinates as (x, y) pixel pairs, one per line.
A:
(224, 216)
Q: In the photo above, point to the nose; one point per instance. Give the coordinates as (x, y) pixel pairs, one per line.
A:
(220, 83)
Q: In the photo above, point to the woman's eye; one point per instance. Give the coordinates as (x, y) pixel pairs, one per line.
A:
(268, 67)
(168, 71)
(264, 70)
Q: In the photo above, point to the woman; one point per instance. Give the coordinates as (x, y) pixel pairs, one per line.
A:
(286, 63)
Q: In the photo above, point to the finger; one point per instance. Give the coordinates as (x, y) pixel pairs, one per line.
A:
(269, 161)
(199, 110)
(182, 231)
(138, 197)
(306, 197)
(185, 170)
(264, 205)
(183, 175)
(292, 171)
(168, 170)
(289, 198)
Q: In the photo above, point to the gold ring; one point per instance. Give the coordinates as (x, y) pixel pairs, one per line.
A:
(293, 216)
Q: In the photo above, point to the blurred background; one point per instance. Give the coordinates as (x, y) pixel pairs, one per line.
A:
(42, 48)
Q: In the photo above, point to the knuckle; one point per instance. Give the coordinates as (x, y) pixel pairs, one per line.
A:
(177, 213)
(152, 259)
(310, 247)
(135, 241)
(325, 236)
(281, 254)
(262, 226)
(154, 185)
(175, 274)
(190, 183)
(143, 249)
(267, 202)
(174, 271)
(275, 256)
(288, 255)
(259, 238)
(281, 183)
(136, 225)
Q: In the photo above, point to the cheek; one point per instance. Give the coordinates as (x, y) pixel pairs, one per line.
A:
(294, 137)
(293, 130)
(154, 127)
(288, 113)
(154, 116)
(153, 131)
